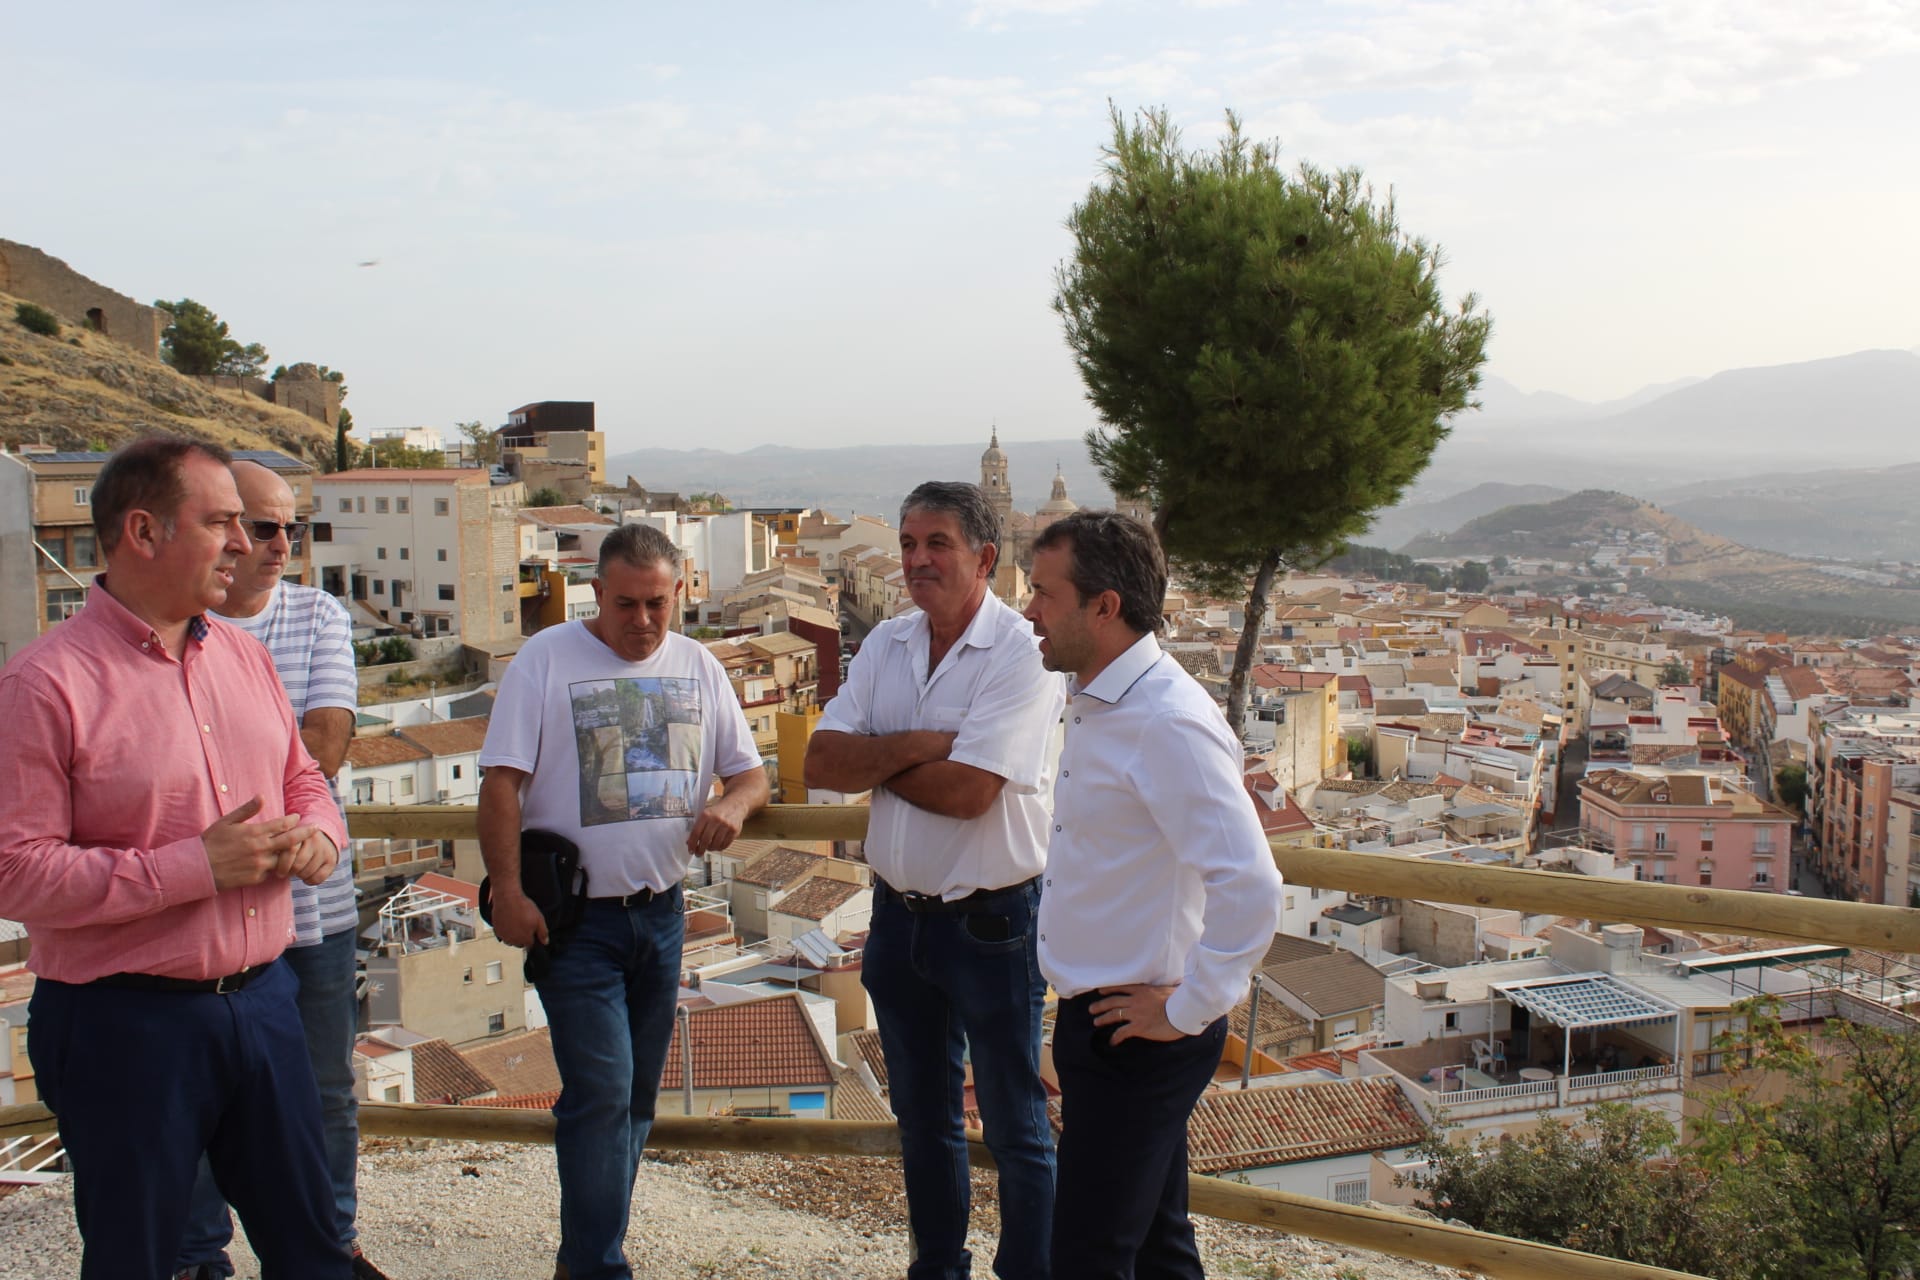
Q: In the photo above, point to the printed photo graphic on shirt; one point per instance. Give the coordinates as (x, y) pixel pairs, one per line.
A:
(639, 742)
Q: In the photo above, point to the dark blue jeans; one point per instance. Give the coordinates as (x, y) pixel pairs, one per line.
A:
(610, 997)
(1122, 1208)
(144, 1081)
(946, 988)
(330, 1015)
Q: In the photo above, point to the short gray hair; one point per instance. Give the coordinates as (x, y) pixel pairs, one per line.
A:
(966, 503)
(639, 545)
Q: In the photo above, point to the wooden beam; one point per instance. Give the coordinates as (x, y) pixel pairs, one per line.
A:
(1387, 875)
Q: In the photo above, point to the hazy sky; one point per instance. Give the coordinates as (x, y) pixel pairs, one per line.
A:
(742, 224)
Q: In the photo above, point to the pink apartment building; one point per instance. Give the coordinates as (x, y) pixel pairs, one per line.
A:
(1688, 828)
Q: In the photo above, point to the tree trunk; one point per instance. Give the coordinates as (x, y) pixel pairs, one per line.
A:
(1249, 640)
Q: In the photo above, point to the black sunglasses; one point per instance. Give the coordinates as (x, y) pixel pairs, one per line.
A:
(268, 530)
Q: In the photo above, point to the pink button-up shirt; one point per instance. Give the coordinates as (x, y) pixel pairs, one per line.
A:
(119, 758)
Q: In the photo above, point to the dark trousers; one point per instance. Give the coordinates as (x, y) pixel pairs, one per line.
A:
(1120, 1209)
(144, 1081)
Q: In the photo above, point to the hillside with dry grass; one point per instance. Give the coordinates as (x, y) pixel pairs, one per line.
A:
(80, 390)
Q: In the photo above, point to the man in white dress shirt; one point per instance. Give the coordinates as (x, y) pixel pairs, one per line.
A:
(1161, 897)
(946, 716)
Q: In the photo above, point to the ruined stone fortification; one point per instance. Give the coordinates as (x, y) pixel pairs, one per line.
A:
(33, 276)
(82, 390)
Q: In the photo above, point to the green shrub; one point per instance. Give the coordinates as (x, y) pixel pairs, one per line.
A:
(37, 319)
(396, 649)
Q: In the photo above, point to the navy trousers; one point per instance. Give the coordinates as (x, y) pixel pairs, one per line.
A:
(143, 1081)
(1120, 1209)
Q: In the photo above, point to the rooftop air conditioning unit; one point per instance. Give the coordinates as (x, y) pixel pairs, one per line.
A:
(440, 797)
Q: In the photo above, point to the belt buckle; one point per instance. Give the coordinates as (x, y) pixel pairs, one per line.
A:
(220, 987)
(918, 902)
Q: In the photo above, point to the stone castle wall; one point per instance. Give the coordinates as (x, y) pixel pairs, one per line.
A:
(26, 272)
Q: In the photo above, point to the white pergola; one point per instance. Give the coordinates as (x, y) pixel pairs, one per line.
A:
(1588, 1002)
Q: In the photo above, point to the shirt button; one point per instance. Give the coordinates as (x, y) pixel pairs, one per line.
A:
(206, 728)
(145, 645)
(1066, 773)
(1043, 937)
(223, 788)
(1056, 826)
(1076, 719)
(250, 911)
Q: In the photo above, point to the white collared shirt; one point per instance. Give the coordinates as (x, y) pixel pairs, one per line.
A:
(991, 690)
(1158, 871)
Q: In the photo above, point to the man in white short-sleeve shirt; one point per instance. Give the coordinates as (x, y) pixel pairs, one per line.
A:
(947, 716)
(1161, 898)
(610, 731)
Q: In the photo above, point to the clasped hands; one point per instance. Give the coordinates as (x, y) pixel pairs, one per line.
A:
(242, 852)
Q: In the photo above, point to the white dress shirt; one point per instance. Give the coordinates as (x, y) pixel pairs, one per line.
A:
(991, 690)
(1158, 871)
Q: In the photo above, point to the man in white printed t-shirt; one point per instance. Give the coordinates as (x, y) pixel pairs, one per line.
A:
(610, 731)
(947, 715)
(310, 638)
(1161, 898)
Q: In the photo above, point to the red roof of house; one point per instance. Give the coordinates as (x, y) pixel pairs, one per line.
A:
(749, 1045)
(1235, 1129)
(442, 1075)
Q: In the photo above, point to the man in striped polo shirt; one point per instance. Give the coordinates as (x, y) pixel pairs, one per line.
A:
(310, 638)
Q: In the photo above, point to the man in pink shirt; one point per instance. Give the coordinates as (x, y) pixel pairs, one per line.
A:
(163, 802)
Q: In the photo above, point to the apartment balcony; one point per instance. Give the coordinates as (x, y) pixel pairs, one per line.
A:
(1442, 1075)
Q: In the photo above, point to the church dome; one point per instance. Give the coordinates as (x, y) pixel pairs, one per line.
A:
(993, 453)
(1059, 504)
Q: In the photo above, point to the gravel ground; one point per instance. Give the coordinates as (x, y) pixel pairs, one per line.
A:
(465, 1211)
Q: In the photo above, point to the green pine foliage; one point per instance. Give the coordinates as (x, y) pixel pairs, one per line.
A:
(1269, 352)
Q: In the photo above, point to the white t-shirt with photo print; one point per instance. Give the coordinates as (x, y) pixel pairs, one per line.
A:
(621, 756)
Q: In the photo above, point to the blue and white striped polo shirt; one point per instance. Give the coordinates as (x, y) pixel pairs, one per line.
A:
(310, 638)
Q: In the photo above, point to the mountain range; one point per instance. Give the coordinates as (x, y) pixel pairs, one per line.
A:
(1729, 453)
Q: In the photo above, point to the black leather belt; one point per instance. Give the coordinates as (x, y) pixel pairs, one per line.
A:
(154, 982)
(930, 904)
(640, 899)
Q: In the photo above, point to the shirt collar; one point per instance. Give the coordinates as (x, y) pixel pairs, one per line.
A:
(129, 626)
(1123, 672)
(979, 634)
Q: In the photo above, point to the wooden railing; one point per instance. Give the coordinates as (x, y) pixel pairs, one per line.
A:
(1369, 874)
(1384, 875)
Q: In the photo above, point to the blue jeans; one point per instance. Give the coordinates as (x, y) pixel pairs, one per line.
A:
(610, 997)
(330, 1015)
(145, 1081)
(948, 987)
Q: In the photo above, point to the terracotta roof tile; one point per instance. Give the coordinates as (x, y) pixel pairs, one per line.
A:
(816, 899)
(570, 514)
(778, 867)
(1280, 1026)
(448, 737)
(866, 1042)
(1253, 1128)
(518, 1064)
(854, 1101)
(441, 1075)
(752, 1044)
(369, 753)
